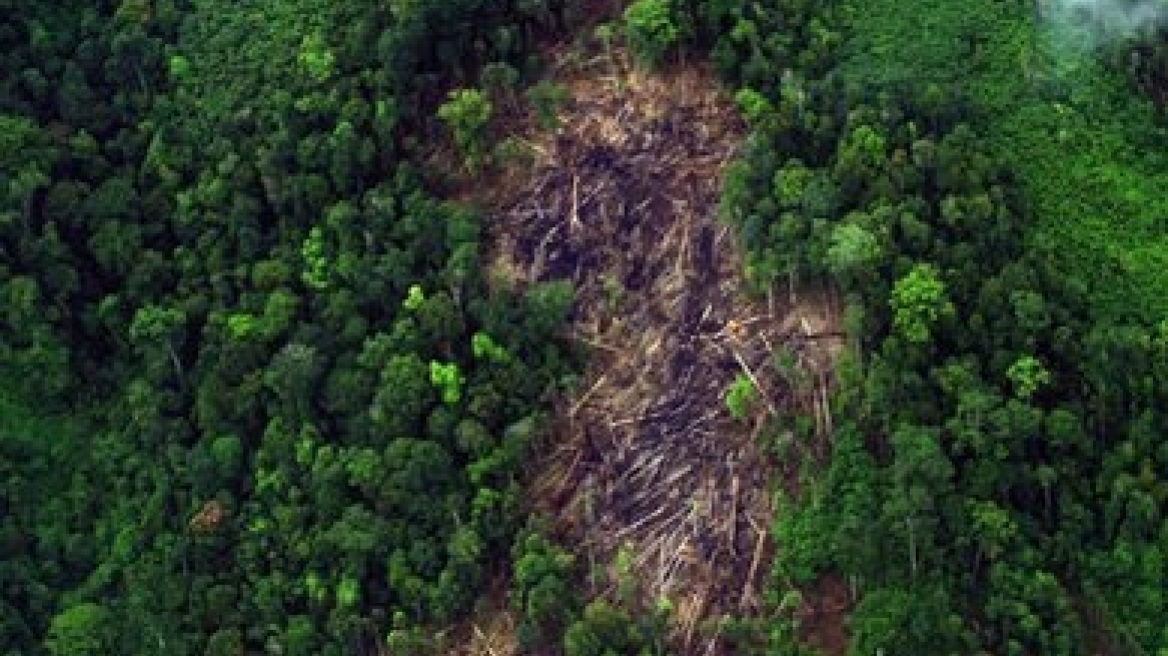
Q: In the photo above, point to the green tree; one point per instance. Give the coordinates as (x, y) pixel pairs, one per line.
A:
(225, 642)
(758, 110)
(467, 113)
(85, 629)
(292, 375)
(542, 588)
(447, 378)
(315, 58)
(605, 631)
(860, 159)
(547, 306)
(26, 158)
(546, 99)
(1028, 376)
(485, 348)
(415, 297)
(155, 327)
(919, 302)
(894, 620)
(739, 397)
(317, 267)
(404, 395)
(922, 474)
(650, 30)
(854, 250)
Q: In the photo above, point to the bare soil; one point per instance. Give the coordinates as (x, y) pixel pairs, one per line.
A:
(644, 457)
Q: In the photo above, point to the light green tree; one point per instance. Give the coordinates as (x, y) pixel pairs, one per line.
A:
(919, 301)
(448, 380)
(758, 110)
(316, 264)
(1028, 376)
(315, 58)
(415, 297)
(739, 396)
(81, 630)
(484, 347)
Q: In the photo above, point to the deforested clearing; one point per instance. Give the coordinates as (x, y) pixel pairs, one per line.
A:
(645, 459)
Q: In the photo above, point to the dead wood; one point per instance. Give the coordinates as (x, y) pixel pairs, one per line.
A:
(622, 202)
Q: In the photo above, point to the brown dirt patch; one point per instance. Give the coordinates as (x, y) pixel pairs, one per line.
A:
(491, 634)
(823, 616)
(622, 201)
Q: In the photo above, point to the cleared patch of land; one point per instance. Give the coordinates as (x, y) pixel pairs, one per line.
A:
(645, 458)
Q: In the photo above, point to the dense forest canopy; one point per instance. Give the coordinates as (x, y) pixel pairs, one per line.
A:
(260, 394)
(297, 413)
(996, 485)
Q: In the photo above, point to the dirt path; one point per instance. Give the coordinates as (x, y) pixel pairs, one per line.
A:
(646, 458)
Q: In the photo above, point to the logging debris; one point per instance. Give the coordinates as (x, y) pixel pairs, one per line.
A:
(622, 201)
